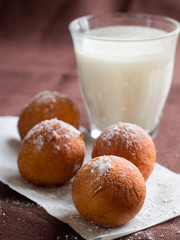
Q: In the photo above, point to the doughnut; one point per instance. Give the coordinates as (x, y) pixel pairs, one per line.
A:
(113, 190)
(128, 141)
(51, 153)
(47, 105)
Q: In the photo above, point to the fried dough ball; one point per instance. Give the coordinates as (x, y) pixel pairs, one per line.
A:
(47, 105)
(128, 141)
(51, 153)
(113, 190)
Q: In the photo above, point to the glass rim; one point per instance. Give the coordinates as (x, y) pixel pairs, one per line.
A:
(175, 31)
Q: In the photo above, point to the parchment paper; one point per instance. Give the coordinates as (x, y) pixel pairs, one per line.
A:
(162, 199)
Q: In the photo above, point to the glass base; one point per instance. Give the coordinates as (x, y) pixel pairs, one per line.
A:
(94, 131)
(153, 133)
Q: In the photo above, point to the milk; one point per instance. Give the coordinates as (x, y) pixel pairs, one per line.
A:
(127, 80)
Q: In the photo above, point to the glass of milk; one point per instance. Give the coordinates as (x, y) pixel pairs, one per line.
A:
(125, 65)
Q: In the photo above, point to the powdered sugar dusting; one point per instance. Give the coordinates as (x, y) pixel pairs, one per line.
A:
(39, 142)
(46, 97)
(103, 164)
(52, 129)
(114, 130)
(128, 132)
(100, 168)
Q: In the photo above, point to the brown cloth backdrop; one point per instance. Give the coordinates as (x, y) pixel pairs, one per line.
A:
(36, 54)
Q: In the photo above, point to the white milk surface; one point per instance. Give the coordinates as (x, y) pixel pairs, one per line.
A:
(125, 80)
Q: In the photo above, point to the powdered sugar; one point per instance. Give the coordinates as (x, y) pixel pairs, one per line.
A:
(46, 97)
(103, 164)
(55, 129)
(39, 142)
(128, 132)
(114, 130)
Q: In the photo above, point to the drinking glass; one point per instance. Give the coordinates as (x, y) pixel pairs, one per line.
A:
(125, 66)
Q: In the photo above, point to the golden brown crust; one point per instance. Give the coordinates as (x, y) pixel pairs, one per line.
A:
(130, 142)
(51, 153)
(48, 105)
(113, 191)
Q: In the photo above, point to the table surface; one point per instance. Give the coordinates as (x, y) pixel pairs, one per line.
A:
(42, 63)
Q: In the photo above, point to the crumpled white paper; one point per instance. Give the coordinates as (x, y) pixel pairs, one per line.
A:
(162, 199)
